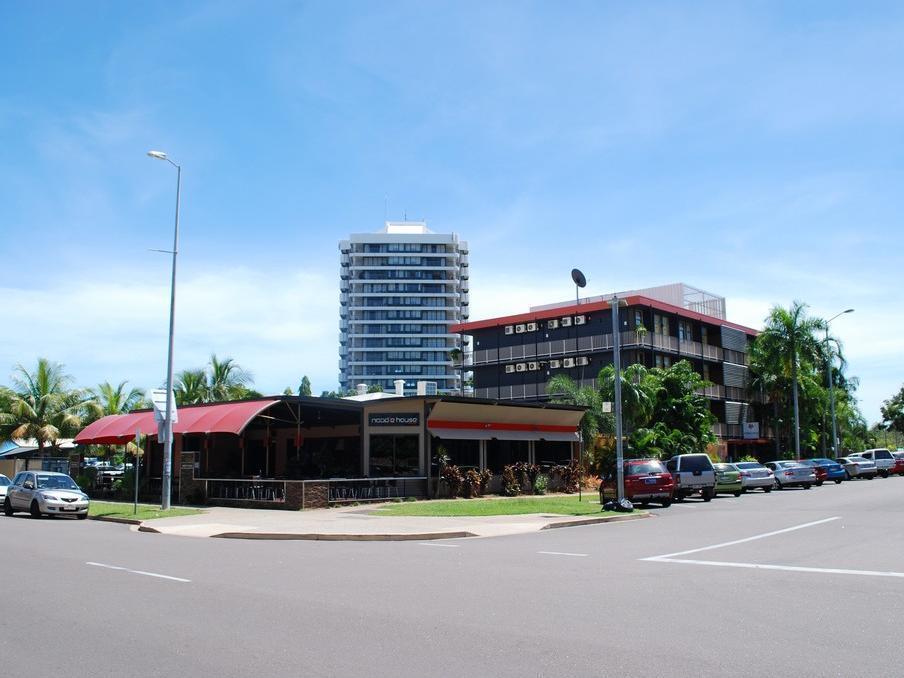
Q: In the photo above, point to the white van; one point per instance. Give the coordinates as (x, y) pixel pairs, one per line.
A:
(693, 473)
(885, 460)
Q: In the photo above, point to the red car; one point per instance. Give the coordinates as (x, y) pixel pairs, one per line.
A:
(822, 473)
(647, 480)
(899, 463)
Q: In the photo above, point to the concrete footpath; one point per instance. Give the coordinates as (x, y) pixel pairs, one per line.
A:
(357, 524)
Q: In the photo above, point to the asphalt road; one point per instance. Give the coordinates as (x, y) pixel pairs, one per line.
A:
(568, 602)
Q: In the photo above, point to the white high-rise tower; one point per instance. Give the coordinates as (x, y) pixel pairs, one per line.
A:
(401, 289)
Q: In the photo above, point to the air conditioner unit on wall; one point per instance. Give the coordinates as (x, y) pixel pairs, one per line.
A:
(565, 322)
(520, 367)
(531, 327)
(568, 362)
(552, 324)
(555, 364)
(580, 320)
(509, 329)
(533, 366)
(582, 361)
(519, 329)
(509, 369)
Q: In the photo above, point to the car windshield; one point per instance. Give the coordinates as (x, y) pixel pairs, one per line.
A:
(724, 467)
(744, 465)
(51, 482)
(898, 455)
(636, 467)
(789, 464)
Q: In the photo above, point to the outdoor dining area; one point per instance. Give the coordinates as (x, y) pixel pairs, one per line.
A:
(297, 452)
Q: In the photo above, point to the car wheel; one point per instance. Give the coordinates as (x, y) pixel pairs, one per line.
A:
(838, 481)
(806, 486)
(666, 503)
(847, 475)
(82, 516)
(870, 477)
(884, 474)
(778, 485)
(7, 507)
(708, 494)
(767, 490)
(819, 483)
(738, 493)
(35, 510)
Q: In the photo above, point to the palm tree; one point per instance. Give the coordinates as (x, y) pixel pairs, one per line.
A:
(227, 380)
(789, 339)
(110, 399)
(41, 405)
(191, 387)
(638, 393)
(563, 389)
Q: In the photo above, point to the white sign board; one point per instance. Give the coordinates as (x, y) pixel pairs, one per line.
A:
(158, 398)
(607, 407)
(751, 430)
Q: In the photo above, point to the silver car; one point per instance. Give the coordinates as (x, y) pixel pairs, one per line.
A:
(754, 475)
(791, 474)
(45, 492)
(4, 483)
(858, 467)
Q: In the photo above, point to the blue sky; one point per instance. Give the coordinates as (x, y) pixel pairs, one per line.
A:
(750, 149)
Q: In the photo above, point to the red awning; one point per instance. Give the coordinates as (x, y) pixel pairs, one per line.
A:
(118, 429)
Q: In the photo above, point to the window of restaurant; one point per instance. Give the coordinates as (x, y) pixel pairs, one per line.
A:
(552, 452)
(392, 455)
(461, 453)
(324, 458)
(501, 453)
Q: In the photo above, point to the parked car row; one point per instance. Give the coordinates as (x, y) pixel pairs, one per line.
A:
(651, 480)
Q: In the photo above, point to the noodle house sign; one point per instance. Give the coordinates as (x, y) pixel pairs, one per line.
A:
(394, 419)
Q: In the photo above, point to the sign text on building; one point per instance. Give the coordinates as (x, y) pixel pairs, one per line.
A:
(391, 419)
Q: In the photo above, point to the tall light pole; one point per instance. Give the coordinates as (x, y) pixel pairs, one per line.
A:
(168, 420)
(831, 381)
(616, 362)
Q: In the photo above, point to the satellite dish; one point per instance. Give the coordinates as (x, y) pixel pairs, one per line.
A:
(578, 278)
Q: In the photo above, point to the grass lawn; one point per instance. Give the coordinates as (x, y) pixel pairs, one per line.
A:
(567, 505)
(145, 511)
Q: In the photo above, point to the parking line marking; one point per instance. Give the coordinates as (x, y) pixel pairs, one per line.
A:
(562, 553)
(142, 572)
(786, 568)
(448, 546)
(742, 541)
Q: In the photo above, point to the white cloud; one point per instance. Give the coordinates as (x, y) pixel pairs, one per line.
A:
(278, 325)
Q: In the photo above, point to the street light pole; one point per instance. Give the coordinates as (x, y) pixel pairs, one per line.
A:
(831, 381)
(616, 361)
(168, 420)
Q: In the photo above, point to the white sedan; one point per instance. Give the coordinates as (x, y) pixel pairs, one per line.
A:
(754, 475)
(45, 492)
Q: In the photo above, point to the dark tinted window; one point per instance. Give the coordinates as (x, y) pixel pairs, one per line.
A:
(671, 464)
(636, 467)
(883, 454)
(696, 462)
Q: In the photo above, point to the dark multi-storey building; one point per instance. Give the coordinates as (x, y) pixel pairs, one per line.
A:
(514, 357)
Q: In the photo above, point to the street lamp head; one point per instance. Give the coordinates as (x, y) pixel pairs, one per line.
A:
(850, 310)
(160, 155)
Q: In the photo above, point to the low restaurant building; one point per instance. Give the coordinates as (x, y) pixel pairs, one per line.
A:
(303, 452)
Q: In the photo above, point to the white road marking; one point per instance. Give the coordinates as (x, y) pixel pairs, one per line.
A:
(787, 568)
(742, 541)
(142, 572)
(430, 543)
(562, 553)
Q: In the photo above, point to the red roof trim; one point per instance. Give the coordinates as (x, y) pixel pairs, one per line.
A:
(633, 300)
(492, 426)
(232, 417)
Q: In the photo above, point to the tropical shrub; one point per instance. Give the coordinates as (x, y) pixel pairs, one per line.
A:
(511, 481)
(451, 475)
(541, 483)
